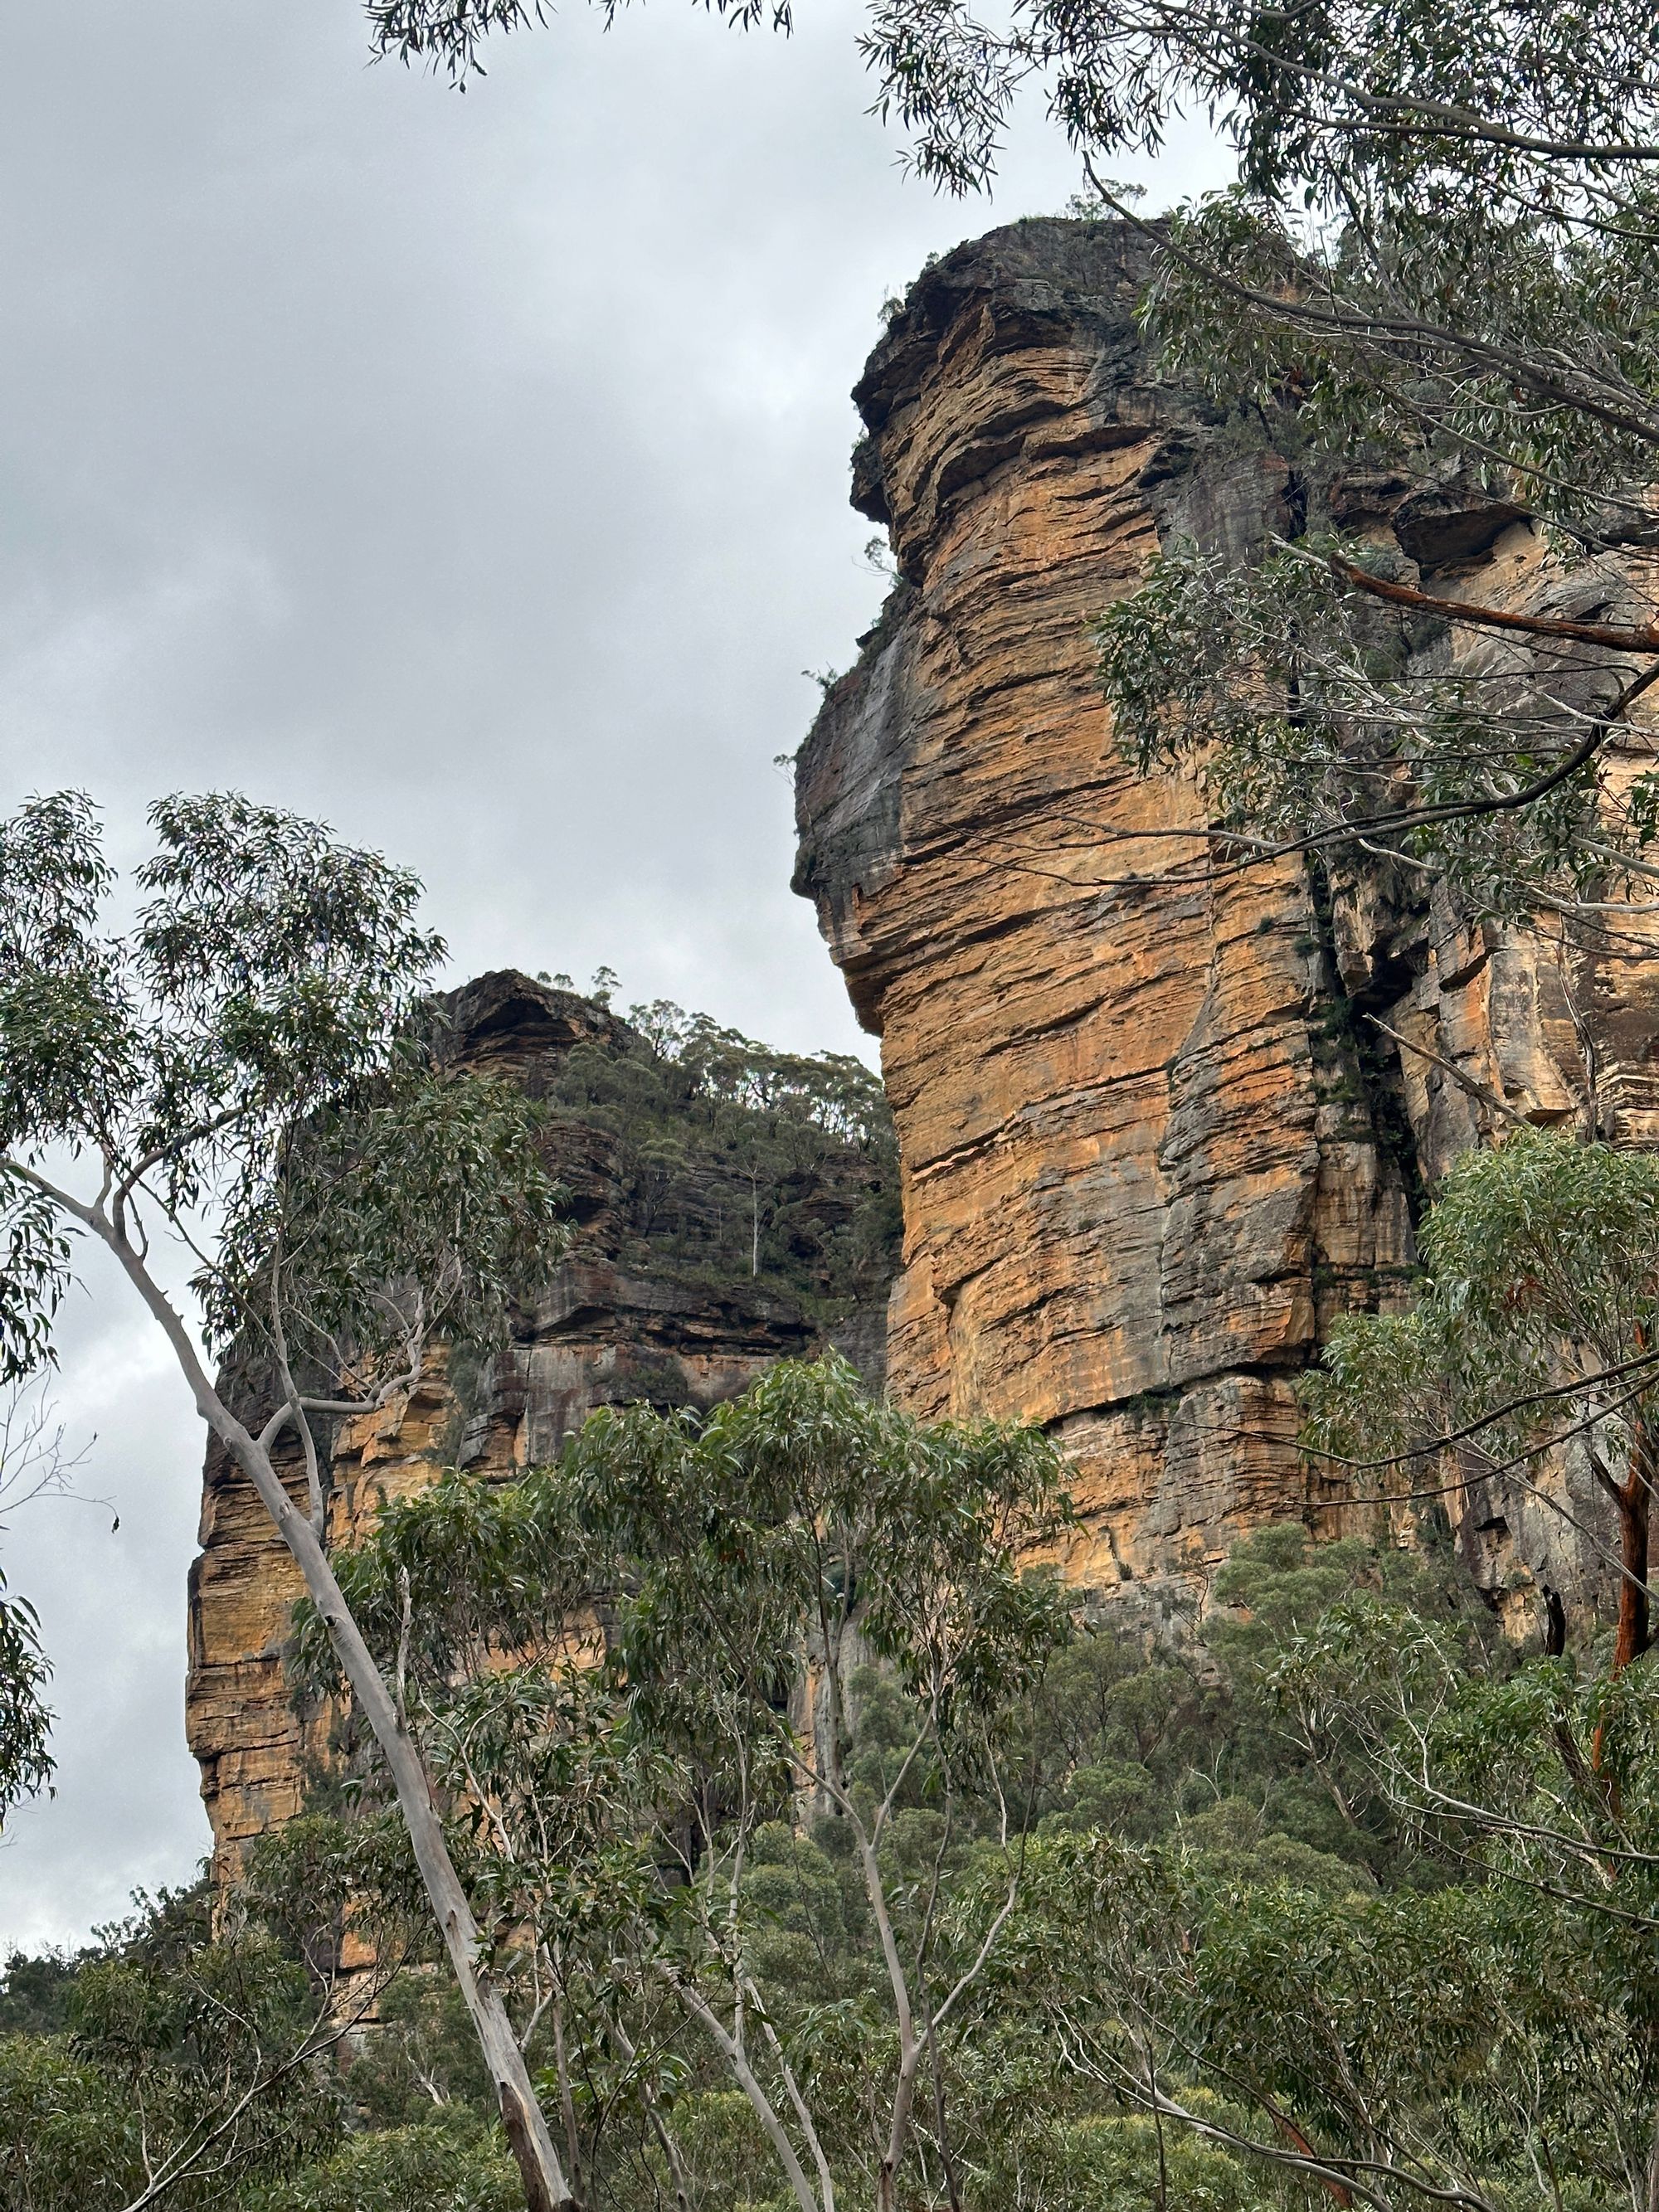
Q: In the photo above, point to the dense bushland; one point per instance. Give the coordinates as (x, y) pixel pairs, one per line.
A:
(1341, 1900)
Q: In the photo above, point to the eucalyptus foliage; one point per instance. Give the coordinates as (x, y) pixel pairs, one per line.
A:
(1335, 1901)
(253, 1061)
(1533, 1330)
(1312, 719)
(1360, 1899)
(26, 1761)
(248, 1079)
(704, 1612)
(1443, 1993)
(183, 2067)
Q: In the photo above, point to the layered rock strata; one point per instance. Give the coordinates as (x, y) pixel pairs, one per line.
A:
(1150, 1141)
(617, 1324)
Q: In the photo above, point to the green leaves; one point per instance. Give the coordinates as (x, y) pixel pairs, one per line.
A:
(35, 1253)
(1344, 101)
(284, 964)
(271, 969)
(1473, 2018)
(189, 2061)
(446, 2165)
(446, 35)
(725, 1549)
(627, 1673)
(734, 1161)
(417, 1207)
(1308, 714)
(1541, 1271)
(256, 1061)
(26, 1761)
(66, 1037)
(52, 880)
(803, 1508)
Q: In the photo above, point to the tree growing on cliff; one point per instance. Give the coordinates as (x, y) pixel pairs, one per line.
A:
(736, 1159)
(248, 1078)
(1437, 262)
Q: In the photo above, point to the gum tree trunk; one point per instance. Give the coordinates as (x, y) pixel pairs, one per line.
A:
(545, 2186)
(1635, 1512)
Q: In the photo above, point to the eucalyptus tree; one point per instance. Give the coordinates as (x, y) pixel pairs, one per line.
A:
(1461, 2043)
(249, 1075)
(697, 1609)
(26, 1761)
(1532, 1333)
(1437, 261)
(1441, 1992)
(1462, 2013)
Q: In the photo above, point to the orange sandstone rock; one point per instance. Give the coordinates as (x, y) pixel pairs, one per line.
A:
(1143, 1162)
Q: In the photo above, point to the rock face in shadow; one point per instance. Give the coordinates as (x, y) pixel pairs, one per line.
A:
(628, 1317)
(1151, 1142)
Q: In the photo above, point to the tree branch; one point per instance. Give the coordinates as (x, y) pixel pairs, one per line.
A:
(1477, 1090)
(1643, 638)
(763, 2109)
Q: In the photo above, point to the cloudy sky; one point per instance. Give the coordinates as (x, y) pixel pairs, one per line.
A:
(469, 472)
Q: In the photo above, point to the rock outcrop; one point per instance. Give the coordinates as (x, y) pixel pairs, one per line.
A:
(1150, 1142)
(647, 1307)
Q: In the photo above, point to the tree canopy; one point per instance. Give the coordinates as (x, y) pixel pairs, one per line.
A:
(1333, 1908)
(734, 1159)
(694, 1607)
(1531, 1336)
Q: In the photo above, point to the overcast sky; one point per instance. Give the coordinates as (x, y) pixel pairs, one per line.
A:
(469, 472)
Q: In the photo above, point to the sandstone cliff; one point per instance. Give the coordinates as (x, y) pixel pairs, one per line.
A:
(656, 1303)
(1150, 1144)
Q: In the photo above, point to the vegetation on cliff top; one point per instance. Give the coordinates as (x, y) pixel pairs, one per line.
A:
(735, 1162)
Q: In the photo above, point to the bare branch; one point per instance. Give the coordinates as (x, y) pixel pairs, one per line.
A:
(1642, 638)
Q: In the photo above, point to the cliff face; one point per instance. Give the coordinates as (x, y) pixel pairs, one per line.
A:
(1150, 1144)
(648, 1307)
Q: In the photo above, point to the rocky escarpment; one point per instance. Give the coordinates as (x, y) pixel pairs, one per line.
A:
(711, 1237)
(1151, 1142)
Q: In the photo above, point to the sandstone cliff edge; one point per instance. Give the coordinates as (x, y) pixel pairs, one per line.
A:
(1150, 1143)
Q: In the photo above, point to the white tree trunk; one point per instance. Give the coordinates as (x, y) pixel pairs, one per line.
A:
(545, 2186)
